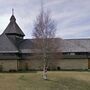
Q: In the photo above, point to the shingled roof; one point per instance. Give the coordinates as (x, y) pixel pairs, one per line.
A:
(65, 45)
(6, 46)
(13, 28)
(78, 45)
(27, 46)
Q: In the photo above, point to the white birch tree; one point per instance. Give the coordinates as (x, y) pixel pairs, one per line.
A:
(44, 34)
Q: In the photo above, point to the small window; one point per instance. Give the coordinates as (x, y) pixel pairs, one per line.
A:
(72, 53)
(80, 53)
(66, 53)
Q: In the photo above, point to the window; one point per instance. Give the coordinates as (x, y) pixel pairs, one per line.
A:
(72, 53)
(66, 53)
(80, 53)
(69, 53)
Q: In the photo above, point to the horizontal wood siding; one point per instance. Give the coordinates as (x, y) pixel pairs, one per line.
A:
(88, 63)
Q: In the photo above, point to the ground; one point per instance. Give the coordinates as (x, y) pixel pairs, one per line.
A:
(56, 81)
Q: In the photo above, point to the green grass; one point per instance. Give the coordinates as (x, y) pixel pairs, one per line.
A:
(56, 81)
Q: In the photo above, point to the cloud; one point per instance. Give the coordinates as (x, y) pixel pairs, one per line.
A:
(3, 22)
(74, 19)
(13, 2)
(49, 3)
(72, 16)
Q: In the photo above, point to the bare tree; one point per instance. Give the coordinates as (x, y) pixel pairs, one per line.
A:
(44, 34)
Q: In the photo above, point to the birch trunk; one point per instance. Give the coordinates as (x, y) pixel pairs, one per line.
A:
(45, 72)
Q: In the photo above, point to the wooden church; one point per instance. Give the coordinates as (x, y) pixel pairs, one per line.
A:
(17, 53)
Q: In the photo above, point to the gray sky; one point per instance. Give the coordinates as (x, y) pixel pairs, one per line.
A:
(72, 16)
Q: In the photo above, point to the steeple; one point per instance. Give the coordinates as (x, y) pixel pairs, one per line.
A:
(13, 28)
(13, 31)
(12, 19)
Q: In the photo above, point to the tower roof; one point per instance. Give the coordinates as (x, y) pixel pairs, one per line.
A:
(13, 28)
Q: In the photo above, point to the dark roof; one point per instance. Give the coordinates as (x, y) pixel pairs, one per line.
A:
(6, 46)
(65, 45)
(13, 28)
(68, 46)
(27, 46)
(79, 45)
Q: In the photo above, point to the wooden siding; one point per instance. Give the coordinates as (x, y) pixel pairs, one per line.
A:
(88, 63)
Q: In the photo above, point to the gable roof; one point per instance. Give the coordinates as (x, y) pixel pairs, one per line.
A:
(27, 46)
(78, 45)
(65, 45)
(13, 28)
(6, 46)
(68, 46)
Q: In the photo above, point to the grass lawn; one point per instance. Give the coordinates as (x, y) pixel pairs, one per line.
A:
(56, 81)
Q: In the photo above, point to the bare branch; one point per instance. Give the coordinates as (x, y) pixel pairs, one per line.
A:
(44, 34)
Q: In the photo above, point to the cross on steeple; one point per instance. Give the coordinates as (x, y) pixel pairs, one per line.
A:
(12, 11)
(12, 19)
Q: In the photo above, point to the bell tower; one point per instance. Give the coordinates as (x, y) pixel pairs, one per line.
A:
(13, 31)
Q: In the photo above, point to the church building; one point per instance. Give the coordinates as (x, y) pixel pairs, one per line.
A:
(17, 53)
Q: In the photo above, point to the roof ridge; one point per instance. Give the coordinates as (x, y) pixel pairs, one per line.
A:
(79, 39)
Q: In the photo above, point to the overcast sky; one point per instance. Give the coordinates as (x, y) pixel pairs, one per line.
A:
(72, 16)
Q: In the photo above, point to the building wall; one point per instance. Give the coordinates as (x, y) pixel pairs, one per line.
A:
(35, 64)
(73, 64)
(63, 64)
(89, 63)
(6, 65)
(30, 64)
